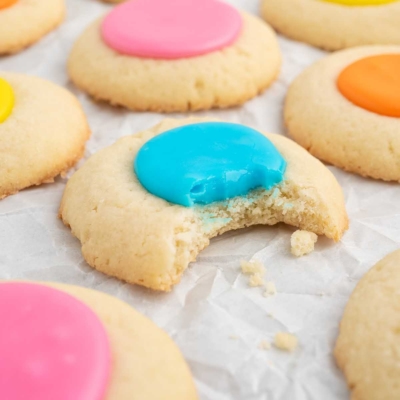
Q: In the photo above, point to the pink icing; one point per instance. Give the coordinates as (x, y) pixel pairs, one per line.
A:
(171, 29)
(52, 346)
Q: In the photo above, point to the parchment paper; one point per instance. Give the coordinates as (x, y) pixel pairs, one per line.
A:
(213, 316)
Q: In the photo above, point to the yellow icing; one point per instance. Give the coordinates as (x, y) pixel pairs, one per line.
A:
(6, 100)
(360, 2)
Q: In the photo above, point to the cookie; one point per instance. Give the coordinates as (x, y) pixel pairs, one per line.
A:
(24, 22)
(166, 61)
(135, 234)
(43, 131)
(345, 109)
(368, 343)
(335, 24)
(65, 342)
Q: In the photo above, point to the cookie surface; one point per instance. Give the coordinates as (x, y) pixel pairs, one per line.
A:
(336, 125)
(218, 79)
(26, 21)
(145, 363)
(367, 349)
(334, 26)
(120, 227)
(42, 137)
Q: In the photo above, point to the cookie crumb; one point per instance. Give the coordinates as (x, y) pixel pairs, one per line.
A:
(264, 345)
(233, 337)
(270, 289)
(256, 280)
(302, 243)
(256, 271)
(285, 341)
(252, 267)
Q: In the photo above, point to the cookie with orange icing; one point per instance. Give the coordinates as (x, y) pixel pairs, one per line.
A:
(335, 24)
(43, 131)
(351, 116)
(175, 56)
(66, 342)
(24, 22)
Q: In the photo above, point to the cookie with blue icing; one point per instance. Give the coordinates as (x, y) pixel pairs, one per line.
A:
(145, 207)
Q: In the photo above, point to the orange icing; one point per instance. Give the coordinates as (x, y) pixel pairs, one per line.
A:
(373, 83)
(7, 3)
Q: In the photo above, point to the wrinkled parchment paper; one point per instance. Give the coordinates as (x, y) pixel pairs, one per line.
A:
(214, 317)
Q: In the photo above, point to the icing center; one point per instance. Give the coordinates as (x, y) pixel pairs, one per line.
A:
(360, 2)
(207, 162)
(7, 3)
(6, 99)
(52, 346)
(171, 29)
(373, 83)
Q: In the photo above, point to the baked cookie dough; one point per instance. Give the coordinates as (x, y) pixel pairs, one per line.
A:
(345, 110)
(43, 131)
(335, 24)
(127, 232)
(24, 22)
(65, 342)
(367, 349)
(231, 61)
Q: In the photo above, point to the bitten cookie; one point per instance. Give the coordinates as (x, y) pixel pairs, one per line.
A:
(345, 109)
(335, 24)
(367, 349)
(215, 176)
(24, 22)
(65, 342)
(157, 55)
(43, 131)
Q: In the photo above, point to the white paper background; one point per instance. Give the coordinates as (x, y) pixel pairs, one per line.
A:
(213, 302)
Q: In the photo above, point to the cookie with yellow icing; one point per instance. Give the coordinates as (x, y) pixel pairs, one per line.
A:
(335, 24)
(153, 55)
(43, 131)
(367, 346)
(24, 22)
(142, 216)
(67, 342)
(351, 118)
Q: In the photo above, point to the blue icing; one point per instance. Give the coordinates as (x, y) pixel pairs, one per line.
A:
(207, 162)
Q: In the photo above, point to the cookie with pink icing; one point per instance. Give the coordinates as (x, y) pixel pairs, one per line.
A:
(175, 55)
(65, 342)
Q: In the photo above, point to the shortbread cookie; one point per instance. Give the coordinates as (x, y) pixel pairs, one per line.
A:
(24, 22)
(345, 110)
(139, 237)
(157, 55)
(65, 342)
(43, 131)
(335, 24)
(367, 349)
